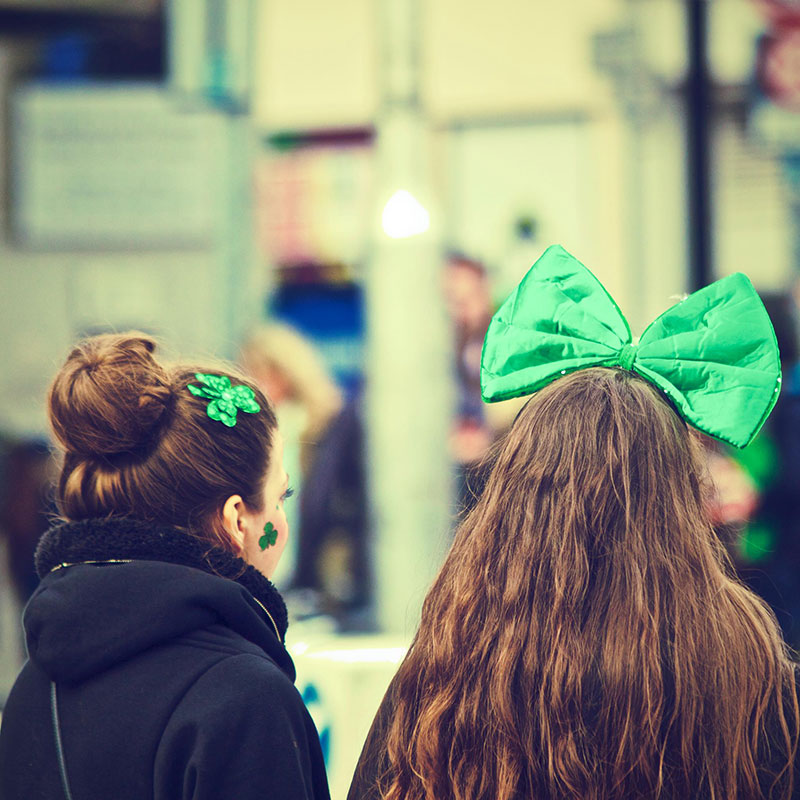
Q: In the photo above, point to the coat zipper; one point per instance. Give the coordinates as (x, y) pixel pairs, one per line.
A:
(65, 564)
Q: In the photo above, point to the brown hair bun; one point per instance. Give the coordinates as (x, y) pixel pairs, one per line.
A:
(110, 397)
(140, 445)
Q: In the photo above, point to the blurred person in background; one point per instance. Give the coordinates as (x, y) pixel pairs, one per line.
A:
(26, 507)
(757, 505)
(477, 426)
(469, 306)
(331, 571)
(586, 637)
(156, 659)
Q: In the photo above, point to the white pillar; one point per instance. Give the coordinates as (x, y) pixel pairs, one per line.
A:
(409, 363)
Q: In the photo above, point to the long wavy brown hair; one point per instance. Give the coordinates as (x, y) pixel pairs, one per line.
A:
(585, 637)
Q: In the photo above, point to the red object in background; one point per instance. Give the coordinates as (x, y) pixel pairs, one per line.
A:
(735, 495)
(780, 12)
(778, 66)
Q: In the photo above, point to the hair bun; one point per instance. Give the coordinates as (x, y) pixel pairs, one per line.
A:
(110, 396)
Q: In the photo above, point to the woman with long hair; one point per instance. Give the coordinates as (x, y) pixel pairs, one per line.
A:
(157, 665)
(586, 637)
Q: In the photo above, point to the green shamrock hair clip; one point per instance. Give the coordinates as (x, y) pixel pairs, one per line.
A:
(225, 399)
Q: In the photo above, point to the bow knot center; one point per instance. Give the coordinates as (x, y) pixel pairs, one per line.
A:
(627, 356)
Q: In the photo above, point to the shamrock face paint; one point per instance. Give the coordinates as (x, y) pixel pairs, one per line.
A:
(266, 530)
(269, 538)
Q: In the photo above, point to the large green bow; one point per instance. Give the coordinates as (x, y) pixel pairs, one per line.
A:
(714, 354)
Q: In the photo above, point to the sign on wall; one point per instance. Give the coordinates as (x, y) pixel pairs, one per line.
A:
(113, 167)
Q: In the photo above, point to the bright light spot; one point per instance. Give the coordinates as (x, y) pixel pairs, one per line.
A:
(298, 648)
(404, 216)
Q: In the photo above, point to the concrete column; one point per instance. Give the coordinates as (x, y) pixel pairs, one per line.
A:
(409, 364)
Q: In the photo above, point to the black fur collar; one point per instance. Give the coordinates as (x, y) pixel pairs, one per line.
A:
(121, 537)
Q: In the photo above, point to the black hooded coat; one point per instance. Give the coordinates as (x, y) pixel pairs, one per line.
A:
(161, 668)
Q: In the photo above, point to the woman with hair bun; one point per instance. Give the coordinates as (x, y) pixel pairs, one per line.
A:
(157, 665)
(585, 638)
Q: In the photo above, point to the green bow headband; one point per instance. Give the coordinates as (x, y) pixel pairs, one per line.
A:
(714, 354)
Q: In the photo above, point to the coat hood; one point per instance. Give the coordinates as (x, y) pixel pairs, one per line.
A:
(114, 588)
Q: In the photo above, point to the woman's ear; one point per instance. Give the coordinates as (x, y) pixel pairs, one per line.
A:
(233, 520)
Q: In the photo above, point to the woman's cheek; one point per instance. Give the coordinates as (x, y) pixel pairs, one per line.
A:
(282, 525)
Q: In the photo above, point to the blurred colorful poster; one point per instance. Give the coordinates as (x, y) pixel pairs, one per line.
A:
(313, 203)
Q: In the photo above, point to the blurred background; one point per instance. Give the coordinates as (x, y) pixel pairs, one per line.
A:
(337, 196)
